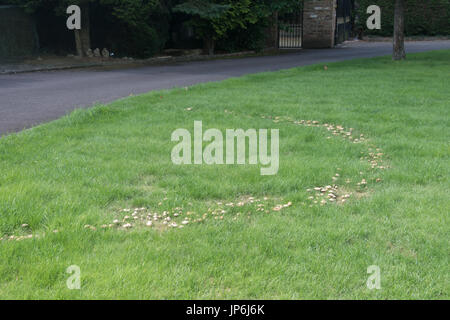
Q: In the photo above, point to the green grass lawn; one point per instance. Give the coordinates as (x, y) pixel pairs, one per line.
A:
(67, 179)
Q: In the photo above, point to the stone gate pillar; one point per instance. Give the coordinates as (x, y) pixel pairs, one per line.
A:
(319, 23)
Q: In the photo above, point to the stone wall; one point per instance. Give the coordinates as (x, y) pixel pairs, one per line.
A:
(319, 23)
(18, 35)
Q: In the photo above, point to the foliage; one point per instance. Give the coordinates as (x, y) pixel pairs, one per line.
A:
(143, 25)
(213, 18)
(236, 23)
(136, 27)
(253, 37)
(431, 17)
(203, 8)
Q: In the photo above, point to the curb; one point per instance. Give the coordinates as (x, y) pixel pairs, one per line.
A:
(150, 61)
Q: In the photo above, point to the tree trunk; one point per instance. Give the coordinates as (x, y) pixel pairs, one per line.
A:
(272, 31)
(399, 31)
(208, 45)
(78, 44)
(86, 27)
(83, 37)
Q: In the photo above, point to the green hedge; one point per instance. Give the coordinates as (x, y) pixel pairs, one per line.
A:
(422, 17)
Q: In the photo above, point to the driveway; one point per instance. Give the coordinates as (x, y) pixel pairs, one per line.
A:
(29, 99)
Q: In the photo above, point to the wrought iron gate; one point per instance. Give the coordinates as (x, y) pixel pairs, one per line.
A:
(343, 20)
(290, 31)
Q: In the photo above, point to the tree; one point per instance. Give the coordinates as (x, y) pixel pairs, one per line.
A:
(212, 19)
(137, 19)
(134, 15)
(399, 31)
(143, 23)
(82, 37)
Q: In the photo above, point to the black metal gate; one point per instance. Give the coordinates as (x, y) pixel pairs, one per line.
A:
(290, 31)
(343, 20)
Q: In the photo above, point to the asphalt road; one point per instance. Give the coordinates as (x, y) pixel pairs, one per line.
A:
(29, 99)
